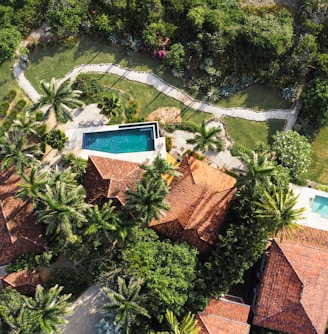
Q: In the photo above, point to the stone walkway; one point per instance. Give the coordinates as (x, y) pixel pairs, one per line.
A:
(222, 159)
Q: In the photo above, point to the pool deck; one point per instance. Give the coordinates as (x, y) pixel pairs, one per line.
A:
(91, 121)
(311, 219)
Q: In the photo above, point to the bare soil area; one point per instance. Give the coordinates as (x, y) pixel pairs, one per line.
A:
(166, 115)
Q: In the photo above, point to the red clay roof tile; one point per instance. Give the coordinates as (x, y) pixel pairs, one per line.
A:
(19, 232)
(224, 316)
(293, 296)
(199, 201)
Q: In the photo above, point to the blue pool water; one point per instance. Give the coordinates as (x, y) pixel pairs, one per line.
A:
(319, 205)
(120, 141)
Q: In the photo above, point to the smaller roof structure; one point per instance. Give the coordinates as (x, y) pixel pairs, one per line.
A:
(292, 296)
(199, 201)
(224, 316)
(19, 232)
(23, 281)
(107, 178)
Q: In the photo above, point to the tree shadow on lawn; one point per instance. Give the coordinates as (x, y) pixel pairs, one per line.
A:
(274, 125)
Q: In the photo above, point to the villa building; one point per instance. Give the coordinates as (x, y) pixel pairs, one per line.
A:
(199, 201)
(292, 294)
(108, 179)
(19, 233)
(226, 315)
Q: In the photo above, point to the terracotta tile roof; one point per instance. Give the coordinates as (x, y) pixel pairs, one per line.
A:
(22, 281)
(199, 201)
(19, 232)
(225, 317)
(110, 178)
(293, 296)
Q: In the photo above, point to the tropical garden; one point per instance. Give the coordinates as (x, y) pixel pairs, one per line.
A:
(212, 50)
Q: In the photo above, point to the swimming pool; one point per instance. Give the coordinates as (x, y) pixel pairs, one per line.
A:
(319, 205)
(125, 140)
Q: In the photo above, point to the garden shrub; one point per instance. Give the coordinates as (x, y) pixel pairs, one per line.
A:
(237, 149)
(89, 87)
(10, 96)
(168, 143)
(186, 126)
(195, 155)
(70, 279)
(20, 105)
(56, 139)
(6, 124)
(4, 106)
(30, 261)
(323, 187)
(131, 109)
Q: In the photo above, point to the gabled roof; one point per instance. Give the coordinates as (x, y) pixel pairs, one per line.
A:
(293, 295)
(110, 178)
(225, 317)
(19, 232)
(199, 201)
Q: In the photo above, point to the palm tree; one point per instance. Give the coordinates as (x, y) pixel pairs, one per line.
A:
(278, 209)
(59, 97)
(111, 105)
(48, 309)
(147, 201)
(207, 139)
(63, 176)
(158, 168)
(125, 303)
(188, 324)
(64, 211)
(260, 169)
(102, 225)
(15, 150)
(27, 124)
(34, 183)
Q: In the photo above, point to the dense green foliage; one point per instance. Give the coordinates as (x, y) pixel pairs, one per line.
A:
(56, 139)
(293, 152)
(39, 315)
(169, 271)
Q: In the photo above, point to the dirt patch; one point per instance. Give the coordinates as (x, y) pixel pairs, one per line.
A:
(166, 115)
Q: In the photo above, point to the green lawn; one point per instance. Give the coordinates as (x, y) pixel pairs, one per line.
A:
(250, 133)
(57, 60)
(7, 80)
(148, 98)
(258, 98)
(319, 167)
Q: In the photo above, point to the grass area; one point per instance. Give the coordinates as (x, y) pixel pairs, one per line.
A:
(148, 98)
(57, 60)
(318, 171)
(7, 80)
(257, 98)
(250, 133)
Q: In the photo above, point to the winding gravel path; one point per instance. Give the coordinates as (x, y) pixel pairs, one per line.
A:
(153, 80)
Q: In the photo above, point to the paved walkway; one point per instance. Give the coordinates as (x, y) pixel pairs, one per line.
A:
(220, 160)
(153, 80)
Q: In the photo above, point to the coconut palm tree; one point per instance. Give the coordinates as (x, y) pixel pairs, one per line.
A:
(278, 209)
(159, 168)
(59, 97)
(48, 309)
(125, 303)
(188, 325)
(15, 150)
(63, 210)
(32, 186)
(260, 169)
(102, 225)
(207, 139)
(147, 200)
(111, 105)
(27, 124)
